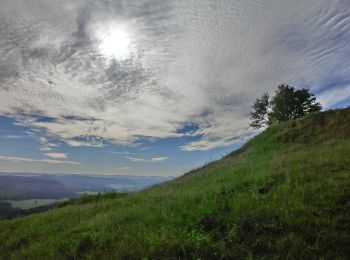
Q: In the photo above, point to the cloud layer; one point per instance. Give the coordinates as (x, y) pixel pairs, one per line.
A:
(26, 159)
(190, 62)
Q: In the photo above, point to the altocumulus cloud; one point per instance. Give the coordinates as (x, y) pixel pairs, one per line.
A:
(198, 62)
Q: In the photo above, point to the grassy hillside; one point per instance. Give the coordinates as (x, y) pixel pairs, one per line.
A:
(286, 194)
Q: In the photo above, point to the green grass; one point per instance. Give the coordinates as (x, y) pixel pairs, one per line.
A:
(284, 195)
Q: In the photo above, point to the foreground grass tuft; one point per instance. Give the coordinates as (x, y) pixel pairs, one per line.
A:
(285, 195)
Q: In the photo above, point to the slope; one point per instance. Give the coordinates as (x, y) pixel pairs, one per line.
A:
(285, 194)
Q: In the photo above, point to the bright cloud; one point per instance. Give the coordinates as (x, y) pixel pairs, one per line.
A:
(159, 159)
(57, 155)
(25, 159)
(12, 137)
(182, 62)
(154, 159)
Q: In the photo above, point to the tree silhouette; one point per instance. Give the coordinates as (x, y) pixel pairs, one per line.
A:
(287, 103)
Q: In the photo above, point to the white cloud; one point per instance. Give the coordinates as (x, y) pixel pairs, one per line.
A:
(26, 159)
(46, 145)
(153, 159)
(159, 159)
(333, 96)
(191, 62)
(135, 159)
(12, 136)
(57, 155)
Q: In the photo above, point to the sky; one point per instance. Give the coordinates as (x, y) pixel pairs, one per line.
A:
(141, 87)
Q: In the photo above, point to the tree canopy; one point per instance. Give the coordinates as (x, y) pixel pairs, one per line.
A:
(287, 103)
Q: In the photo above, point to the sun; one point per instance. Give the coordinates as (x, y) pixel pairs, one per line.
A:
(114, 42)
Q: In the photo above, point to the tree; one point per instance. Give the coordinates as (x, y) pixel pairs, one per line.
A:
(287, 103)
(259, 115)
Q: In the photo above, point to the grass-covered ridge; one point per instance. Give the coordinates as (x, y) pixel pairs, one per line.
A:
(286, 194)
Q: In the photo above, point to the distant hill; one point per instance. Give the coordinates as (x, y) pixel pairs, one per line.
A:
(32, 193)
(20, 187)
(284, 195)
(59, 186)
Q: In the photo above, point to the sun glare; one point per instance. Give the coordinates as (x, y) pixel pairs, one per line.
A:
(114, 42)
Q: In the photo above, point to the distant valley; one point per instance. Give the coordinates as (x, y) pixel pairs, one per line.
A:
(22, 194)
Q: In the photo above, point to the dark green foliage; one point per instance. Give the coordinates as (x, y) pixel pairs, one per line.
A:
(287, 103)
(284, 195)
(259, 115)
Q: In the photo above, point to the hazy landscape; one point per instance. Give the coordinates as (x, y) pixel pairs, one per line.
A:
(174, 129)
(21, 191)
(284, 194)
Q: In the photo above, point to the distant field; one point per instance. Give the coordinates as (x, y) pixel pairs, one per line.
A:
(122, 188)
(32, 203)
